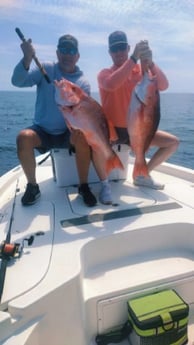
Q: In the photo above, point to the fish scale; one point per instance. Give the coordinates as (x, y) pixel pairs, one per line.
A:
(142, 121)
(82, 112)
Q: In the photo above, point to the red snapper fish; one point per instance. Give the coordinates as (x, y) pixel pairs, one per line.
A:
(82, 112)
(142, 120)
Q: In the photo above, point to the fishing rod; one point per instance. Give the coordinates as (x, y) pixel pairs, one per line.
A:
(10, 250)
(37, 62)
(4, 259)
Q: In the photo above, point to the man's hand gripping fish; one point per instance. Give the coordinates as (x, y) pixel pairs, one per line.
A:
(82, 112)
(143, 120)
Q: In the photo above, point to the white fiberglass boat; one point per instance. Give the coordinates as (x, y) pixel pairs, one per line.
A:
(72, 268)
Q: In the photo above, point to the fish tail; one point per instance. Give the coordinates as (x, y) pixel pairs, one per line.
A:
(113, 163)
(140, 169)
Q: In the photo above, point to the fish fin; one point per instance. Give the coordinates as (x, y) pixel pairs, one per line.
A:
(113, 163)
(140, 169)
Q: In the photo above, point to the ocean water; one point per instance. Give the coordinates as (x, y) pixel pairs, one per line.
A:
(17, 107)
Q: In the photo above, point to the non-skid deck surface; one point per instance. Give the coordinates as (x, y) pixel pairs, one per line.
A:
(127, 201)
(125, 196)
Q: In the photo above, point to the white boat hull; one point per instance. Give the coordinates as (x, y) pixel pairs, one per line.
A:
(85, 263)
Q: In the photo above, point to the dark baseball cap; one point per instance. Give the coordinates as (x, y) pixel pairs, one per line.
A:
(67, 40)
(117, 37)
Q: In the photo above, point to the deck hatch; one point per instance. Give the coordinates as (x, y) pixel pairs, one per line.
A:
(92, 218)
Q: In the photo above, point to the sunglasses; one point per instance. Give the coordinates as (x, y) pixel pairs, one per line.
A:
(68, 50)
(118, 47)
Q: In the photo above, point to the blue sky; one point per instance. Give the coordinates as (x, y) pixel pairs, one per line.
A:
(168, 25)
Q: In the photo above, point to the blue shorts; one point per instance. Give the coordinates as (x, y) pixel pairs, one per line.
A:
(50, 141)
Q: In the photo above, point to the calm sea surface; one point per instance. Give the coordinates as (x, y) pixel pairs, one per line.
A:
(16, 112)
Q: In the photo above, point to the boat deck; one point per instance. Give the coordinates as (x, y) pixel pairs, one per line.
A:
(85, 263)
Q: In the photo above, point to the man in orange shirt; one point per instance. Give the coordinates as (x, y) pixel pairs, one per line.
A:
(116, 85)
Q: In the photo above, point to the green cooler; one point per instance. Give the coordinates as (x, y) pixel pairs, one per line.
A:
(158, 319)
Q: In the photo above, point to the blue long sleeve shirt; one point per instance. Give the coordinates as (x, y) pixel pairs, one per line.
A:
(47, 115)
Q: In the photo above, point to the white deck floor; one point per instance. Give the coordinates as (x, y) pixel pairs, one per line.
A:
(89, 261)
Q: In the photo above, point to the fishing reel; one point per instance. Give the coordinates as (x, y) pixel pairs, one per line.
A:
(14, 250)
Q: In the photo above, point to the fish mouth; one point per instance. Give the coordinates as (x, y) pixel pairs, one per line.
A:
(66, 104)
(65, 94)
(69, 102)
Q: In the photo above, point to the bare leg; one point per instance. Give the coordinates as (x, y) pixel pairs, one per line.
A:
(167, 145)
(27, 140)
(83, 155)
(99, 165)
(83, 159)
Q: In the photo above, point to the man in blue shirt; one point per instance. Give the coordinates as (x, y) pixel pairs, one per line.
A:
(49, 129)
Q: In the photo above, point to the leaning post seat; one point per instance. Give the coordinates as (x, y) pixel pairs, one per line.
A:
(65, 170)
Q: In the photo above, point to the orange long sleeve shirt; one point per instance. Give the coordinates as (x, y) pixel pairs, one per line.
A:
(116, 85)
